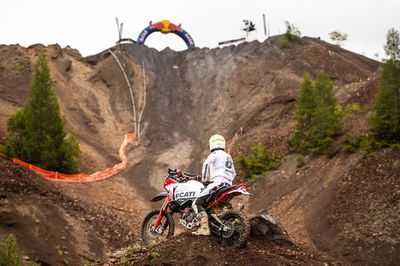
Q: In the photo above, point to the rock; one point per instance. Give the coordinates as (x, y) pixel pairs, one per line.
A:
(55, 51)
(264, 225)
(72, 52)
(67, 65)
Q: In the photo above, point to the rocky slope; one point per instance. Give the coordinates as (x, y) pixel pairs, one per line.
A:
(249, 89)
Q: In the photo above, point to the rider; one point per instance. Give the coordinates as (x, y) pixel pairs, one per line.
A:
(219, 169)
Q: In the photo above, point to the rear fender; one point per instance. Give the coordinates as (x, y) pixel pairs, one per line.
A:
(241, 189)
(225, 197)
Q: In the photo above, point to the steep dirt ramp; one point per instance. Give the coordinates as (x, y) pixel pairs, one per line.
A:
(196, 93)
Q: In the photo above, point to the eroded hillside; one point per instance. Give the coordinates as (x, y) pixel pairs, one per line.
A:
(249, 89)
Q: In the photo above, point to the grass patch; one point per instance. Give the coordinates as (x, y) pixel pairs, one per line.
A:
(18, 65)
(154, 255)
(123, 260)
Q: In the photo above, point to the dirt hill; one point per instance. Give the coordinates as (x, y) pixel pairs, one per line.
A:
(190, 95)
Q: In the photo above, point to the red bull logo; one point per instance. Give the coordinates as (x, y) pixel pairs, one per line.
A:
(165, 26)
(158, 25)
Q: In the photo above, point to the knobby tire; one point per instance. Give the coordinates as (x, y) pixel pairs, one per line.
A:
(240, 237)
(149, 220)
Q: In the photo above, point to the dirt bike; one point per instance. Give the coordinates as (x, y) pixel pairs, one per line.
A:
(232, 227)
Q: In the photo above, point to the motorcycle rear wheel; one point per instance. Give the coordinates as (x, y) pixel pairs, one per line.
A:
(240, 224)
(163, 231)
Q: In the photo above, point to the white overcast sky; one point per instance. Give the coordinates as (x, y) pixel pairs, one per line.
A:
(90, 26)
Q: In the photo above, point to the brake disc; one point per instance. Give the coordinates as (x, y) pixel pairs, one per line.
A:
(228, 229)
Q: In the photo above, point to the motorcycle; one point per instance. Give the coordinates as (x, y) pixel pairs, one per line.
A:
(231, 226)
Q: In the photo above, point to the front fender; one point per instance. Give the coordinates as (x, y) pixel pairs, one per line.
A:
(159, 196)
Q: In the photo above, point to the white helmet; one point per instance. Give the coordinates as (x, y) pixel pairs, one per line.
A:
(217, 142)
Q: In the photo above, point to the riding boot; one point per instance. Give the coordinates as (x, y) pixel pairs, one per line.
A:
(203, 230)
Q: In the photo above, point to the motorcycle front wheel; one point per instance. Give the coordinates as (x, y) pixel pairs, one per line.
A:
(238, 231)
(164, 230)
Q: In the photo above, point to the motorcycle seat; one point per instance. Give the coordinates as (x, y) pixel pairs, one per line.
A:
(218, 192)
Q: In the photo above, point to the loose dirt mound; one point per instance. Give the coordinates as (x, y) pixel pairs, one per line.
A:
(187, 249)
(363, 220)
(54, 227)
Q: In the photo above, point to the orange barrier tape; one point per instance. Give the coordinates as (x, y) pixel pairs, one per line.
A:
(5, 156)
(84, 177)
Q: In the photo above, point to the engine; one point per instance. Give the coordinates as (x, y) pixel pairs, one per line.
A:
(188, 219)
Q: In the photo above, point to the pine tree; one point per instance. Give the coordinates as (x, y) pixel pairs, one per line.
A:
(316, 116)
(36, 132)
(385, 120)
(329, 120)
(307, 103)
(392, 46)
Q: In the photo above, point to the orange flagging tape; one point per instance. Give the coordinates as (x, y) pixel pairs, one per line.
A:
(84, 177)
(5, 156)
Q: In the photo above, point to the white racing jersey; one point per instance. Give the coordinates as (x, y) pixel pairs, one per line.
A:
(218, 164)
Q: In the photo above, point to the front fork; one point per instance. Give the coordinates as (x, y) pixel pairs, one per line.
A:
(160, 215)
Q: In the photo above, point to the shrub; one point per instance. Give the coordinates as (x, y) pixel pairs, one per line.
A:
(123, 260)
(154, 255)
(300, 161)
(370, 144)
(284, 42)
(8, 252)
(9, 255)
(292, 34)
(351, 143)
(258, 161)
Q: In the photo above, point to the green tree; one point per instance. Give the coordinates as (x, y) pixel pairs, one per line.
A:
(392, 46)
(329, 117)
(36, 132)
(317, 117)
(307, 104)
(385, 120)
(338, 37)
